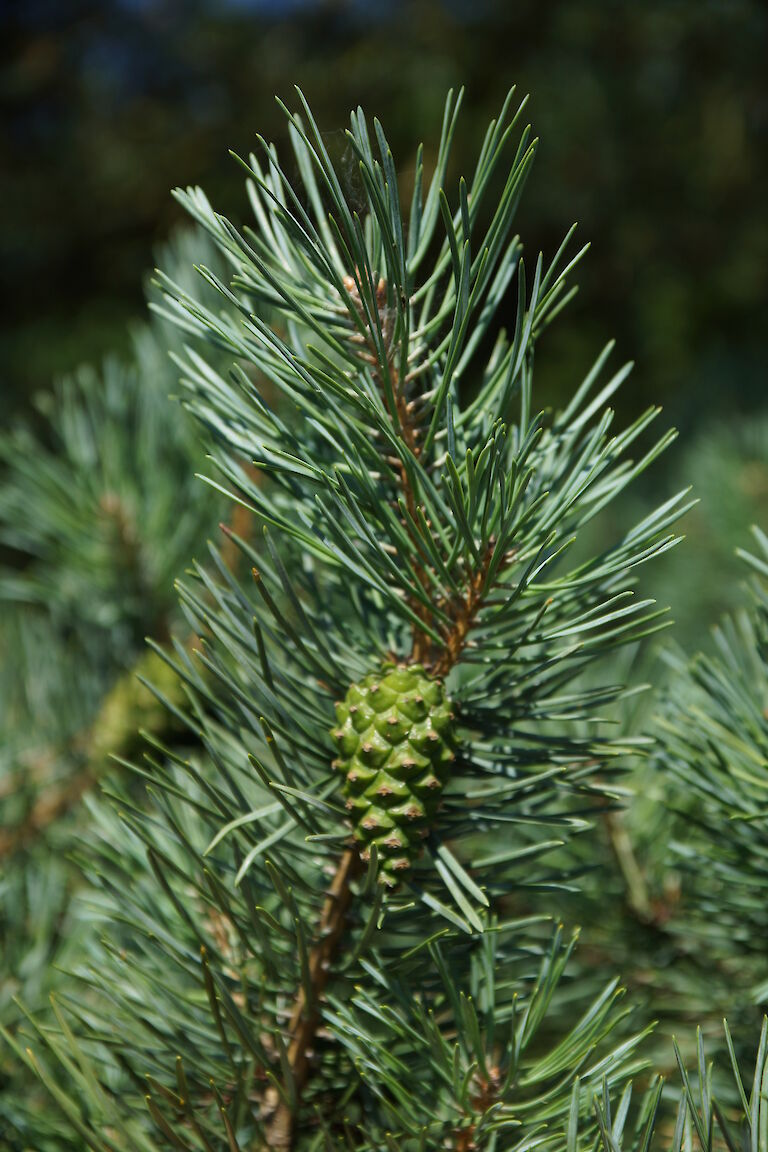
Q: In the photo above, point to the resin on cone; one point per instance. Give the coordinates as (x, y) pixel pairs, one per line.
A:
(394, 737)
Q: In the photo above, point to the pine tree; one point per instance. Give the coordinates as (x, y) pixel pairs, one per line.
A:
(318, 916)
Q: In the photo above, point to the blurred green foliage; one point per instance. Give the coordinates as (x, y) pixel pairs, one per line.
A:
(654, 119)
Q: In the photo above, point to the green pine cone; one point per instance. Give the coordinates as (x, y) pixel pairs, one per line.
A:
(394, 736)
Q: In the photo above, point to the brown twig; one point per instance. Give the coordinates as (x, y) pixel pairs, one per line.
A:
(486, 1090)
(404, 415)
(410, 434)
(305, 1017)
(464, 617)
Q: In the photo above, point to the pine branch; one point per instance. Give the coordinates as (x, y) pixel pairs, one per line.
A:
(713, 751)
(306, 1016)
(712, 1114)
(98, 509)
(128, 706)
(112, 733)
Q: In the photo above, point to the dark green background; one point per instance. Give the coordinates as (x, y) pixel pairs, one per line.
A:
(654, 125)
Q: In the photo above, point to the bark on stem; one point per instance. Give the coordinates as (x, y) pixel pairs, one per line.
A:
(465, 616)
(305, 1017)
